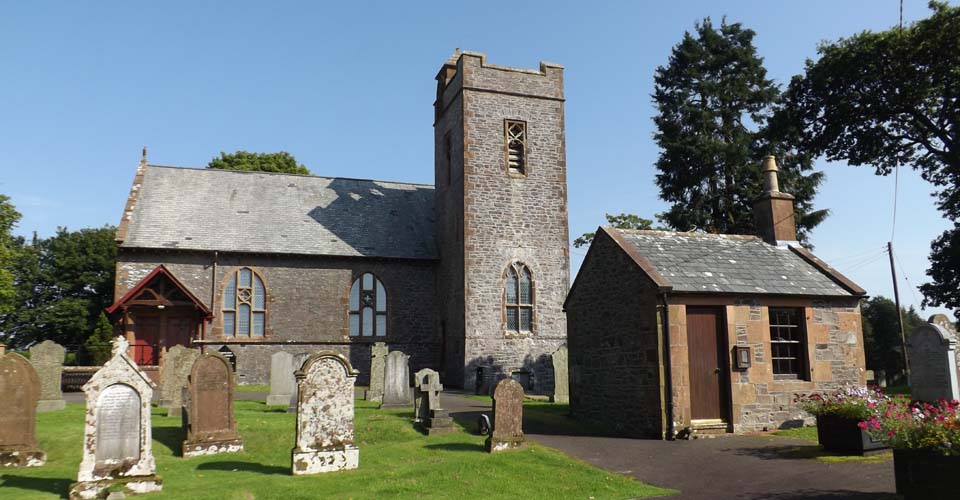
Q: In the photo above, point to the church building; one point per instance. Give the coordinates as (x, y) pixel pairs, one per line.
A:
(467, 275)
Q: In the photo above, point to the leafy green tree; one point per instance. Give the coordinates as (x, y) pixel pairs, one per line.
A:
(714, 98)
(881, 333)
(62, 285)
(98, 347)
(8, 244)
(622, 221)
(281, 162)
(888, 98)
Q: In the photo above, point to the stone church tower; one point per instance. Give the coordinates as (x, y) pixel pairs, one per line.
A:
(501, 208)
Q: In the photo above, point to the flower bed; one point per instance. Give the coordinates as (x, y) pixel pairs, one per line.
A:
(838, 418)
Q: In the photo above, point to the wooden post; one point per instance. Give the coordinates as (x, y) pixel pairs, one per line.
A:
(896, 299)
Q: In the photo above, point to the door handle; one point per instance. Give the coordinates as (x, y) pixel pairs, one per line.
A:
(716, 371)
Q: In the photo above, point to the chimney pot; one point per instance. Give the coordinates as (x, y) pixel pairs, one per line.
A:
(773, 210)
(769, 168)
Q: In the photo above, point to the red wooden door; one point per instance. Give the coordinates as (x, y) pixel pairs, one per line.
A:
(708, 366)
(146, 342)
(179, 331)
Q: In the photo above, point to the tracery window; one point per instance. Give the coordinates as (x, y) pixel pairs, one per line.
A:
(368, 307)
(515, 135)
(518, 298)
(244, 306)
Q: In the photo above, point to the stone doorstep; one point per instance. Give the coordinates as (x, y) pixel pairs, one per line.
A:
(709, 429)
(200, 448)
(22, 458)
(134, 485)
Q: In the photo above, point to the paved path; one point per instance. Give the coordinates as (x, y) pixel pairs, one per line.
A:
(729, 467)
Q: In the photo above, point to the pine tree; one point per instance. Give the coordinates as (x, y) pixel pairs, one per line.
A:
(97, 348)
(714, 99)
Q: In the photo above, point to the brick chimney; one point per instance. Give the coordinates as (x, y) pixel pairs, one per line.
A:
(773, 210)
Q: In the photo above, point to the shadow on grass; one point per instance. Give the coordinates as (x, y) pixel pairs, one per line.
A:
(826, 495)
(812, 452)
(171, 437)
(468, 447)
(231, 466)
(57, 486)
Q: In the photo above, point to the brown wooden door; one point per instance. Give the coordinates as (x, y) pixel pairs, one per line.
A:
(708, 365)
(146, 344)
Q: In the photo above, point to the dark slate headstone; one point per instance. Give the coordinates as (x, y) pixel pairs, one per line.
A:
(324, 441)
(507, 417)
(47, 357)
(208, 420)
(19, 392)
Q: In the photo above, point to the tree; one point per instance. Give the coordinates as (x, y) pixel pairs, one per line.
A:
(98, 348)
(714, 99)
(282, 162)
(622, 221)
(62, 285)
(8, 220)
(890, 98)
(881, 333)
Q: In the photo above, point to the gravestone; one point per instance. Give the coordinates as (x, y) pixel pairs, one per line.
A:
(432, 419)
(298, 360)
(507, 417)
(177, 364)
(378, 361)
(561, 381)
(117, 447)
(47, 357)
(208, 420)
(396, 382)
(933, 361)
(283, 384)
(19, 392)
(324, 440)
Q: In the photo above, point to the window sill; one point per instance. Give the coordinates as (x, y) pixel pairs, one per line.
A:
(513, 334)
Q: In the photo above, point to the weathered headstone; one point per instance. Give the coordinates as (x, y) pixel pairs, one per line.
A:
(177, 364)
(117, 447)
(378, 361)
(561, 381)
(19, 392)
(396, 382)
(283, 384)
(933, 361)
(426, 403)
(507, 417)
(47, 357)
(298, 360)
(325, 416)
(208, 408)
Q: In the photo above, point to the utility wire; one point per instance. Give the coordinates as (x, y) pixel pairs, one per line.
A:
(913, 292)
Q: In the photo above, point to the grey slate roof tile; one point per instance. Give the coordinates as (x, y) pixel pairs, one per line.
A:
(694, 262)
(257, 212)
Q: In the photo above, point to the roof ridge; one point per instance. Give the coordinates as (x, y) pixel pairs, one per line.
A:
(285, 174)
(659, 232)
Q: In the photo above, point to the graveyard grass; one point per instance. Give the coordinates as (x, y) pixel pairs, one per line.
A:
(396, 461)
(813, 451)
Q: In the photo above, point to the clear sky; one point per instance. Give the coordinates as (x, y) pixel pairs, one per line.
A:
(347, 87)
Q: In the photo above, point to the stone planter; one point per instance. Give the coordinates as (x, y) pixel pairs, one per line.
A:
(842, 435)
(925, 475)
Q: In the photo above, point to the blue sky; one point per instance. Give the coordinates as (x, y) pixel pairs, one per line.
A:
(348, 87)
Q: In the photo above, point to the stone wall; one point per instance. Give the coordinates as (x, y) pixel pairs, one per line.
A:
(506, 218)
(614, 347)
(307, 302)
(758, 401)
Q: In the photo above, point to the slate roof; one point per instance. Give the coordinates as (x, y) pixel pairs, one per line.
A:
(257, 212)
(711, 263)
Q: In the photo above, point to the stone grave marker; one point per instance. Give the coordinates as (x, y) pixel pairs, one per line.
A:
(396, 382)
(432, 419)
(283, 384)
(47, 357)
(117, 450)
(19, 393)
(507, 417)
(208, 420)
(298, 360)
(378, 361)
(561, 381)
(177, 364)
(933, 361)
(324, 440)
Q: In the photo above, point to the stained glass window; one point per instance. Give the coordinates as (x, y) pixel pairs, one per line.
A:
(244, 307)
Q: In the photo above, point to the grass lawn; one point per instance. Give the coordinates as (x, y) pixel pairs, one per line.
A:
(814, 451)
(253, 388)
(395, 462)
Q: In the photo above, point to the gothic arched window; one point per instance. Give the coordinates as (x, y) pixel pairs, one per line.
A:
(368, 307)
(244, 306)
(518, 298)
